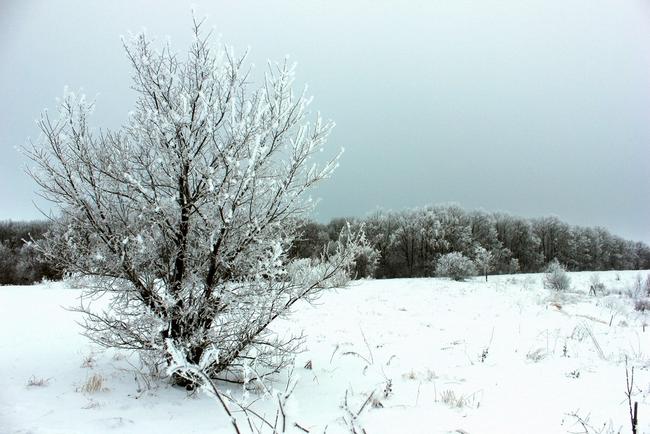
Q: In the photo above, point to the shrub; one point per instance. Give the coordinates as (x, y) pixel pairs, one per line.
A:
(184, 217)
(642, 305)
(455, 266)
(556, 276)
(641, 287)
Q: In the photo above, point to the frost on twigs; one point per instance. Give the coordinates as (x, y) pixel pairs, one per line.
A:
(456, 266)
(241, 414)
(556, 277)
(183, 218)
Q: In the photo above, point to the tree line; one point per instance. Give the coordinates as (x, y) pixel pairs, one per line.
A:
(409, 243)
(405, 243)
(20, 264)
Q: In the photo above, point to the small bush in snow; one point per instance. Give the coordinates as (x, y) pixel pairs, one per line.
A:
(638, 289)
(456, 266)
(641, 287)
(556, 276)
(642, 305)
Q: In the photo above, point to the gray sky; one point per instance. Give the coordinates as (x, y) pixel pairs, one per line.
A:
(534, 107)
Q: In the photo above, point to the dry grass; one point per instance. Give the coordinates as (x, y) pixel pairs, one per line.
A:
(88, 361)
(536, 355)
(450, 398)
(37, 382)
(599, 350)
(376, 402)
(93, 384)
(91, 404)
(427, 376)
(411, 375)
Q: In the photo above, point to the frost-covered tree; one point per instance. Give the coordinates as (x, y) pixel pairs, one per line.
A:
(455, 265)
(517, 236)
(365, 262)
(484, 231)
(556, 276)
(554, 238)
(484, 260)
(184, 217)
(311, 240)
(513, 266)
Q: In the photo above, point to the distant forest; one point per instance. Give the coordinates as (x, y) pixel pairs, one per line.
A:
(409, 243)
(20, 264)
(404, 244)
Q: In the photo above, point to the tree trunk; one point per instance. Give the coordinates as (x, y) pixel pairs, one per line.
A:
(177, 331)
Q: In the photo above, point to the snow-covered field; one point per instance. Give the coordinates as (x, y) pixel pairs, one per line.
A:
(437, 356)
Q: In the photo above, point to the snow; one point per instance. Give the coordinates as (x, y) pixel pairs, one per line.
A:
(520, 358)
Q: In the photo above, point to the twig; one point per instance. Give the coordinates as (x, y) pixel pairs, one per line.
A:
(372, 360)
(192, 373)
(629, 383)
(334, 352)
(284, 416)
(593, 339)
(365, 403)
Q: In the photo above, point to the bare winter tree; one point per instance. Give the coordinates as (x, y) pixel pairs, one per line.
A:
(484, 260)
(184, 216)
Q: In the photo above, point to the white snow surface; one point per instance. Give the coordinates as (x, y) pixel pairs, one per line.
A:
(507, 356)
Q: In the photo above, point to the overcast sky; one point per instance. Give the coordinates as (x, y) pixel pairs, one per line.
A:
(535, 107)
